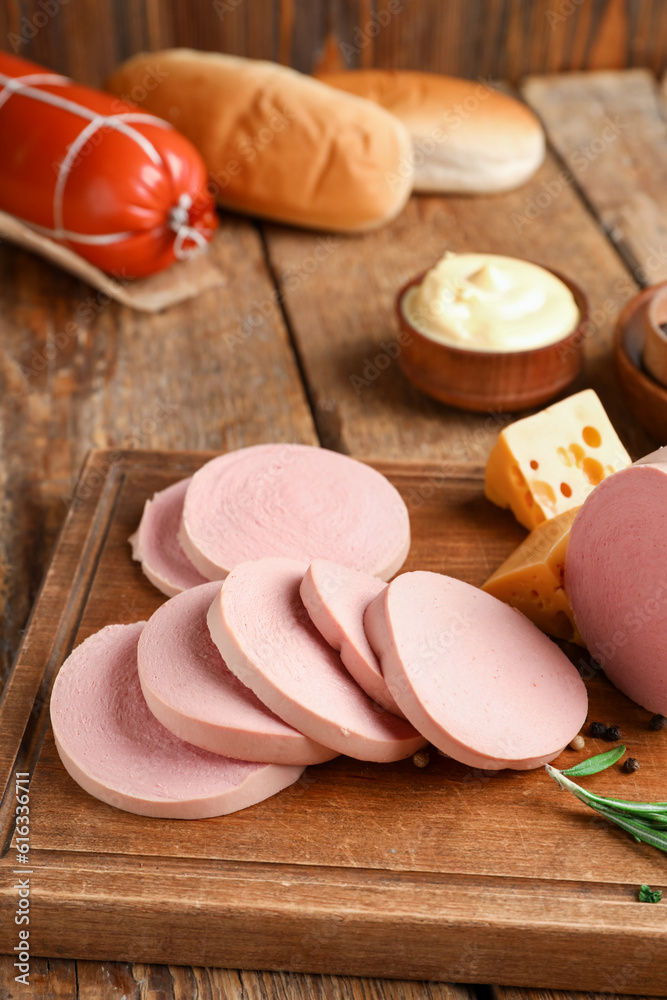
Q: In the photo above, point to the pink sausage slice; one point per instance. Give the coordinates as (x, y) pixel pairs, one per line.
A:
(294, 501)
(616, 579)
(336, 598)
(113, 747)
(477, 678)
(263, 631)
(155, 543)
(191, 691)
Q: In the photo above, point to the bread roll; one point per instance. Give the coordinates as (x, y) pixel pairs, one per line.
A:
(467, 136)
(278, 144)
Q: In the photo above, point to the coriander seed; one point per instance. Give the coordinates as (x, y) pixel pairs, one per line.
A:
(578, 743)
(630, 765)
(421, 758)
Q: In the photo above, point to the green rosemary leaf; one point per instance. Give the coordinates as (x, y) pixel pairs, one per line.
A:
(639, 830)
(582, 793)
(592, 765)
(653, 810)
(648, 895)
(657, 811)
(657, 820)
(645, 821)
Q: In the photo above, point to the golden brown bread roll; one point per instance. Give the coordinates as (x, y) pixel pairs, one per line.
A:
(278, 144)
(467, 136)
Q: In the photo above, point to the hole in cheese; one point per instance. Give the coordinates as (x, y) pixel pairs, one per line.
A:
(578, 453)
(592, 437)
(566, 490)
(517, 476)
(564, 457)
(593, 471)
(534, 464)
(544, 494)
(563, 627)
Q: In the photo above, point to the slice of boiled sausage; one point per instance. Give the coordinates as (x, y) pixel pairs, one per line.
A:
(616, 579)
(294, 501)
(156, 546)
(336, 598)
(191, 691)
(477, 678)
(113, 746)
(264, 633)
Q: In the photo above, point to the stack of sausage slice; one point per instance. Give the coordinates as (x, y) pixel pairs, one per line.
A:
(295, 650)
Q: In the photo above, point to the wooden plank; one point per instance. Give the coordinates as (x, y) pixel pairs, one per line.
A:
(78, 371)
(610, 132)
(378, 923)
(87, 40)
(82, 980)
(50, 979)
(504, 39)
(619, 986)
(309, 880)
(339, 297)
(286, 986)
(214, 984)
(111, 980)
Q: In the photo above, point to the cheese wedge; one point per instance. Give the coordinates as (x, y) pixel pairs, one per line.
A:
(548, 463)
(531, 579)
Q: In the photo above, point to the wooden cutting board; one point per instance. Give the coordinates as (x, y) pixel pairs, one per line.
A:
(446, 872)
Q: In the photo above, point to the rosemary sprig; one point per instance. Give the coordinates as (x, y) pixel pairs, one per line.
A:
(645, 821)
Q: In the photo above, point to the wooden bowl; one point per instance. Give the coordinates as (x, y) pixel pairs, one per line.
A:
(646, 398)
(654, 354)
(491, 380)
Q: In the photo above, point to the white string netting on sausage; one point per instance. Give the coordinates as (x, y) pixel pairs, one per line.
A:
(188, 239)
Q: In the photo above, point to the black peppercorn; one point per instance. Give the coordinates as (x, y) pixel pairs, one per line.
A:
(598, 730)
(612, 734)
(631, 765)
(657, 722)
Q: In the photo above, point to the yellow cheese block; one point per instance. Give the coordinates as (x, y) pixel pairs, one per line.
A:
(546, 464)
(531, 579)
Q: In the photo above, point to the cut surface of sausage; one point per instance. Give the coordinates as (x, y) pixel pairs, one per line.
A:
(476, 677)
(266, 638)
(113, 746)
(191, 691)
(616, 579)
(294, 501)
(336, 598)
(156, 546)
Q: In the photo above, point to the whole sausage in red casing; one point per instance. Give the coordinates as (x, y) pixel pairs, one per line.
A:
(121, 188)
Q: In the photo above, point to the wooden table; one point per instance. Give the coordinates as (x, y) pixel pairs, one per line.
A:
(272, 357)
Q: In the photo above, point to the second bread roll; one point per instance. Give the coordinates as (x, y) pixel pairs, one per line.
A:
(467, 136)
(278, 144)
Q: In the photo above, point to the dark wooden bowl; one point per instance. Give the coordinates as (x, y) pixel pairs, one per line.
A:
(646, 398)
(654, 355)
(491, 380)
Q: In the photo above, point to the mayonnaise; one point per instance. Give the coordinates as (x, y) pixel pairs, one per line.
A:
(485, 302)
